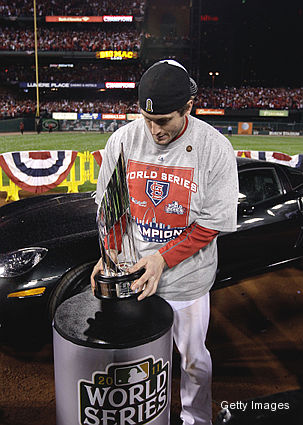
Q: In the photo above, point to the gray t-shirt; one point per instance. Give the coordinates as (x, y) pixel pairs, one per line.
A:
(193, 179)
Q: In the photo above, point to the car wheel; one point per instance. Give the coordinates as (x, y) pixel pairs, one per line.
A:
(74, 282)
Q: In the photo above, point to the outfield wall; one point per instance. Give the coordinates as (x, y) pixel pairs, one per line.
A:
(258, 127)
(13, 125)
(265, 128)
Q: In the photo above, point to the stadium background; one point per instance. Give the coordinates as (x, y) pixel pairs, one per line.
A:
(254, 47)
(251, 50)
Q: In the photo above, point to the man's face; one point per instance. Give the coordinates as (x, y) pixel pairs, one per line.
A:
(164, 128)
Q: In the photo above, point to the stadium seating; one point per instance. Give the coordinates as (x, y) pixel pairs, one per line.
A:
(73, 7)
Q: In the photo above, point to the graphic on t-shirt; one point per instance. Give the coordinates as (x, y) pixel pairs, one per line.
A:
(160, 199)
(175, 208)
(157, 191)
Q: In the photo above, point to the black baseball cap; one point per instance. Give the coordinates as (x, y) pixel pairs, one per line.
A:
(165, 87)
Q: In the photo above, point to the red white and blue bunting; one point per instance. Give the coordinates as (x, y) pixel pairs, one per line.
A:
(37, 171)
(40, 171)
(295, 161)
(98, 156)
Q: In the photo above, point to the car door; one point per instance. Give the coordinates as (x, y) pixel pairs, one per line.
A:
(269, 224)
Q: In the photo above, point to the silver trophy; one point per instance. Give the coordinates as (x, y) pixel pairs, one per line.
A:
(118, 251)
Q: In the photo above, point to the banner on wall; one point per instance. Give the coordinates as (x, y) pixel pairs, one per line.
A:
(132, 117)
(54, 85)
(273, 113)
(208, 111)
(120, 85)
(245, 127)
(116, 54)
(113, 116)
(37, 171)
(89, 19)
(65, 115)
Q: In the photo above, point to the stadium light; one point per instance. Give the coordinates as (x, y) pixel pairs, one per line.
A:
(213, 76)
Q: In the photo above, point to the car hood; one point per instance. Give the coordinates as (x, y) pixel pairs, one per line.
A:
(38, 220)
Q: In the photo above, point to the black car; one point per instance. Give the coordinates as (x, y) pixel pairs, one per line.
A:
(49, 244)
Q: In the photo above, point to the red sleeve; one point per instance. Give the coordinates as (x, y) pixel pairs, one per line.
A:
(191, 240)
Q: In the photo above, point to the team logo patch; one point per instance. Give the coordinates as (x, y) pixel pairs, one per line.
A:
(126, 393)
(157, 191)
(149, 105)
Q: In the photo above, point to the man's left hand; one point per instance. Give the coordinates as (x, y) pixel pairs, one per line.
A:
(148, 282)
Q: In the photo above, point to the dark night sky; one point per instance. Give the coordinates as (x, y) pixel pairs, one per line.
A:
(256, 41)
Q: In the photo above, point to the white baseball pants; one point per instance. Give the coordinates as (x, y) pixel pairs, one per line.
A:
(190, 329)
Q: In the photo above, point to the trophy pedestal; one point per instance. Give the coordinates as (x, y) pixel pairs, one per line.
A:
(113, 360)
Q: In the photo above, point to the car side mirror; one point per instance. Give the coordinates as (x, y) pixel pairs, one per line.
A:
(245, 209)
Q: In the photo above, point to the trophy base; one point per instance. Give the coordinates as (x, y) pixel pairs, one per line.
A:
(114, 287)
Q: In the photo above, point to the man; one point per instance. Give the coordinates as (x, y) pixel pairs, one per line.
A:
(183, 188)
(22, 127)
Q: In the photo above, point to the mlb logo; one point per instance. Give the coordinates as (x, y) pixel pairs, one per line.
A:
(132, 374)
(157, 191)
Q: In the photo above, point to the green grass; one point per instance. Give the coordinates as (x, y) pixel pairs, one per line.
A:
(286, 144)
(93, 141)
(55, 141)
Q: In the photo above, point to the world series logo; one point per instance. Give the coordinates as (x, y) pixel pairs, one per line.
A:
(126, 393)
(160, 199)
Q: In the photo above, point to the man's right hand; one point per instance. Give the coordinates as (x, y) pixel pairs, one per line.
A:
(99, 268)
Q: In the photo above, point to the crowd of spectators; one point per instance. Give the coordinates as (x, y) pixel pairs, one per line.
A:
(12, 108)
(56, 39)
(72, 7)
(78, 73)
(260, 98)
(222, 98)
(250, 98)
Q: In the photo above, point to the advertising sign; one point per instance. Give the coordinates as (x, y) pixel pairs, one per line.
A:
(64, 115)
(119, 85)
(273, 113)
(116, 54)
(204, 111)
(209, 18)
(89, 116)
(74, 19)
(49, 85)
(117, 18)
(245, 127)
(61, 65)
(88, 19)
(131, 117)
(113, 117)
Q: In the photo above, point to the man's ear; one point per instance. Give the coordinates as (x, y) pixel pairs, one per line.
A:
(190, 104)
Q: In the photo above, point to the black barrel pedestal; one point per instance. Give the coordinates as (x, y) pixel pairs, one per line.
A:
(113, 361)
